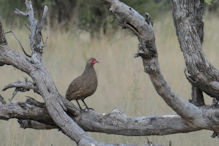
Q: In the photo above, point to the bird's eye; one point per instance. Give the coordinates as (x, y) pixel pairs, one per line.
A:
(93, 61)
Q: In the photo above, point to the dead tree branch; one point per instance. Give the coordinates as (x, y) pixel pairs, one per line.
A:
(187, 16)
(58, 112)
(147, 50)
(18, 43)
(197, 95)
(55, 104)
(36, 70)
(22, 86)
(2, 100)
(33, 114)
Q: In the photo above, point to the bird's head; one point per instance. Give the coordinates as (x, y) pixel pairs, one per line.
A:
(92, 61)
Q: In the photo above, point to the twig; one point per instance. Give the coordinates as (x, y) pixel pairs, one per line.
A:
(13, 95)
(45, 42)
(18, 42)
(34, 125)
(32, 101)
(23, 86)
(43, 20)
(27, 26)
(2, 100)
(19, 12)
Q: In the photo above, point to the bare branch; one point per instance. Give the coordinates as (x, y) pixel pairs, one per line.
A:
(23, 111)
(36, 70)
(148, 52)
(2, 100)
(2, 36)
(59, 112)
(34, 102)
(188, 22)
(34, 125)
(31, 116)
(13, 95)
(36, 28)
(197, 94)
(19, 12)
(19, 43)
(27, 26)
(3, 41)
(193, 115)
(52, 98)
(115, 122)
(43, 19)
(22, 86)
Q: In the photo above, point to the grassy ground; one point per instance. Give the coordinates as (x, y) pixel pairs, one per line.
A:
(122, 82)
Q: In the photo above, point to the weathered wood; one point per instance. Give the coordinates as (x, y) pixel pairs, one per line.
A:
(33, 114)
(197, 95)
(55, 103)
(2, 100)
(22, 86)
(58, 112)
(148, 52)
(2, 36)
(2, 40)
(200, 72)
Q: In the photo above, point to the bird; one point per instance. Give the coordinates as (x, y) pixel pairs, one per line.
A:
(84, 85)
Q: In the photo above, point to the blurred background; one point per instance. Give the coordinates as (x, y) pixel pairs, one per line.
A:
(80, 29)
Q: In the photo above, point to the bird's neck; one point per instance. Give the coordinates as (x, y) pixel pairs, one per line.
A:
(88, 69)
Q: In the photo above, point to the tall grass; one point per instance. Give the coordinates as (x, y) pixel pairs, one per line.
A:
(122, 81)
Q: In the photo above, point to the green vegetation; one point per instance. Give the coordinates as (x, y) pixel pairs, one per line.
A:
(93, 15)
(89, 15)
(209, 1)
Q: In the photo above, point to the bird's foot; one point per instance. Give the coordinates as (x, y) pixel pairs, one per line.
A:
(88, 108)
(83, 110)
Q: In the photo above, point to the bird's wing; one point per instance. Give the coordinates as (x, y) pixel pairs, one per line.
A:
(74, 87)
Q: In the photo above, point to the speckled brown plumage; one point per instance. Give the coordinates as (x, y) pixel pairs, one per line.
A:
(84, 85)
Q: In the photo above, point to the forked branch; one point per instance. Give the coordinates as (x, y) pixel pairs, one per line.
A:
(22, 86)
(187, 16)
(58, 112)
(147, 50)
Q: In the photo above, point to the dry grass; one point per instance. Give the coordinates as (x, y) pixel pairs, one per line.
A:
(122, 82)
